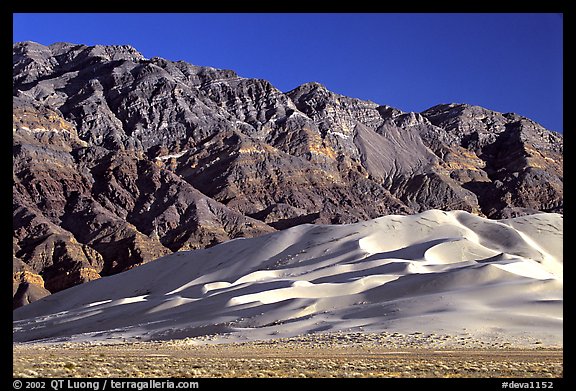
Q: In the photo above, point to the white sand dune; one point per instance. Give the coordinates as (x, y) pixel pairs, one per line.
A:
(435, 272)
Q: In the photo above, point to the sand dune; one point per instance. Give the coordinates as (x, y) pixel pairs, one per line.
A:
(435, 272)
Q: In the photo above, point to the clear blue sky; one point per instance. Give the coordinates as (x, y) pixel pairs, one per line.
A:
(504, 62)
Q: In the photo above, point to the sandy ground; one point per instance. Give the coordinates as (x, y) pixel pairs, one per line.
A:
(450, 272)
(337, 355)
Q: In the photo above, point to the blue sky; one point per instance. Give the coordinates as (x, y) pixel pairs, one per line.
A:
(504, 62)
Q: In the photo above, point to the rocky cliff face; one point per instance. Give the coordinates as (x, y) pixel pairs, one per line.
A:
(119, 159)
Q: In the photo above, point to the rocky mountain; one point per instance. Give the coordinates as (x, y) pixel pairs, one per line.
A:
(119, 159)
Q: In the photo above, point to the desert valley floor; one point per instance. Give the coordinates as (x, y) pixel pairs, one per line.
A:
(337, 355)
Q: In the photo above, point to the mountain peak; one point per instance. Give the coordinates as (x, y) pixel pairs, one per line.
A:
(312, 85)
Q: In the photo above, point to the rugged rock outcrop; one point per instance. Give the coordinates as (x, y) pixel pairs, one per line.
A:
(519, 164)
(119, 159)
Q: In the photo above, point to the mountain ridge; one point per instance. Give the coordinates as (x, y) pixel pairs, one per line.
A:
(119, 159)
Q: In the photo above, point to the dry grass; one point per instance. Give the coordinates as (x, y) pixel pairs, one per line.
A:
(354, 355)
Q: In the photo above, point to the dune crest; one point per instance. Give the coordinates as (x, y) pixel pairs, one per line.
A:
(433, 272)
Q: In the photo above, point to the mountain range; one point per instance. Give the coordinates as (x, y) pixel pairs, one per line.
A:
(119, 159)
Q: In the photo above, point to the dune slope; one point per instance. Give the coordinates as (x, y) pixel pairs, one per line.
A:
(434, 272)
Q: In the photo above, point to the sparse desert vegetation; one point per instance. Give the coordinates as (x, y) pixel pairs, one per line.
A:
(329, 355)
